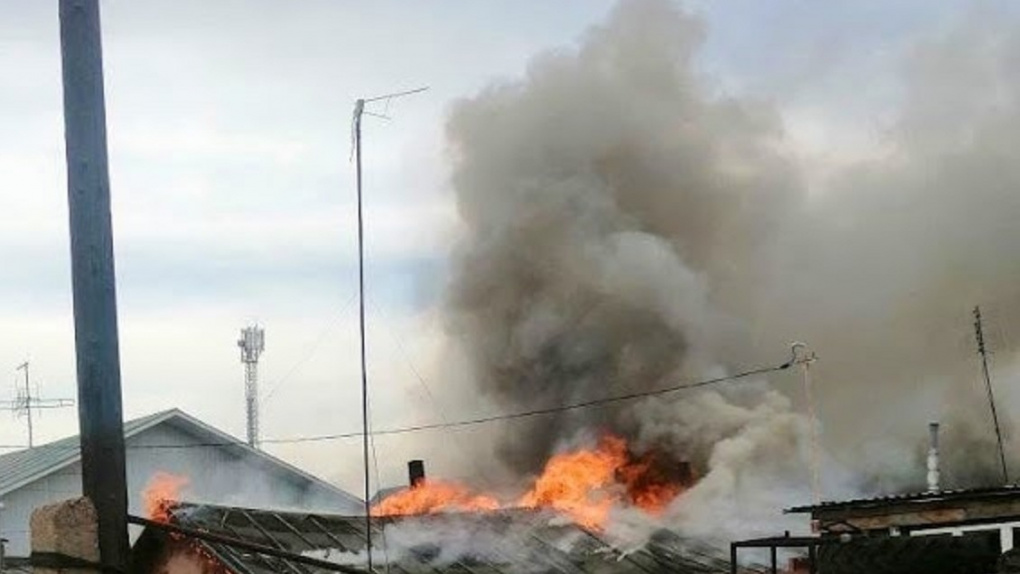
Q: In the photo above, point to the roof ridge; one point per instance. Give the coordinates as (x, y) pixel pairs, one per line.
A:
(24, 466)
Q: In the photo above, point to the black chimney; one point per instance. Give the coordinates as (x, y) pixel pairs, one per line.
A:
(416, 472)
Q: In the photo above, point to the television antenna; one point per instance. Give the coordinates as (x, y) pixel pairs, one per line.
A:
(359, 112)
(805, 357)
(26, 402)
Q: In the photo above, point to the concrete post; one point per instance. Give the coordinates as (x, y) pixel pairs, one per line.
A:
(69, 528)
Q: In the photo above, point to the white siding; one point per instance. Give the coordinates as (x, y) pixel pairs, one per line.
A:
(18, 505)
(216, 475)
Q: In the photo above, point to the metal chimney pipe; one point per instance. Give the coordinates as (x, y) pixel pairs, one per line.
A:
(933, 458)
(415, 472)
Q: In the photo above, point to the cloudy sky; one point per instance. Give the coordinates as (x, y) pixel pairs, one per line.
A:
(229, 135)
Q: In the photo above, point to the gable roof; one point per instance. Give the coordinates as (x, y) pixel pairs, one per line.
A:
(26, 466)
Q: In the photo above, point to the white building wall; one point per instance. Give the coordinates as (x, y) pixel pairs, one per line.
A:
(216, 474)
(18, 505)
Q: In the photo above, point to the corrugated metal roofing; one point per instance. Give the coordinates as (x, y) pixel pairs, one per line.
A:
(914, 497)
(512, 541)
(24, 466)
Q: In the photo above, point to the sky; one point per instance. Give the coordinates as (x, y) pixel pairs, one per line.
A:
(233, 189)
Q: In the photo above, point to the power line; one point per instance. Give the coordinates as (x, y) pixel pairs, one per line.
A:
(479, 420)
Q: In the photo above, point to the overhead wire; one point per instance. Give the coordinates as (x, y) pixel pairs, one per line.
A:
(312, 350)
(473, 421)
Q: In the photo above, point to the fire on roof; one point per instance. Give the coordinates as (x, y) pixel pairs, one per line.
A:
(476, 543)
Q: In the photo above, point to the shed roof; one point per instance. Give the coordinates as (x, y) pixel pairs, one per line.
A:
(26, 466)
(958, 495)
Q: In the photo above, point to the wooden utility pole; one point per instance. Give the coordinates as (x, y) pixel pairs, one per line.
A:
(100, 416)
(979, 333)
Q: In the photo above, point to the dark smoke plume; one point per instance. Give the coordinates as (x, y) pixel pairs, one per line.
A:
(605, 197)
(627, 227)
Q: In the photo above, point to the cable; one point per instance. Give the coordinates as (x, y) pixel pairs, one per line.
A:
(474, 421)
(471, 460)
(311, 350)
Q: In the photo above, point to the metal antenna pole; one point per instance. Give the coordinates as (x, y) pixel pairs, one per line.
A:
(982, 350)
(359, 112)
(804, 357)
(359, 109)
(28, 404)
(100, 411)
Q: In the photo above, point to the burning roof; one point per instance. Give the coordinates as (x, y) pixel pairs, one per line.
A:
(478, 542)
(585, 484)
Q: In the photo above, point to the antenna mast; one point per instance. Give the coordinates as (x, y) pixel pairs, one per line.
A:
(26, 402)
(252, 343)
(359, 112)
(982, 350)
(804, 357)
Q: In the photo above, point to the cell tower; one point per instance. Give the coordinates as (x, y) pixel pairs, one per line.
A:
(252, 343)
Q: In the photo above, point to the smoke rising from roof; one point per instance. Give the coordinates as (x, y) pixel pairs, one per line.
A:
(604, 195)
(625, 226)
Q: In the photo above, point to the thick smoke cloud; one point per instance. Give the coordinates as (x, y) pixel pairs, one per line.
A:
(881, 271)
(626, 226)
(607, 198)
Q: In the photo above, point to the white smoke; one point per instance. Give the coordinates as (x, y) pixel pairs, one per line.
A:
(443, 540)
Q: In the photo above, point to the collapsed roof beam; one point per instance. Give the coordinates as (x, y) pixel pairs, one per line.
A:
(249, 546)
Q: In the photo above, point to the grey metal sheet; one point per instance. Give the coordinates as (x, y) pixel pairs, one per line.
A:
(586, 554)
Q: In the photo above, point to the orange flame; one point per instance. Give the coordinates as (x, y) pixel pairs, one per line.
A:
(428, 496)
(650, 486)
(161, 493)
(575, 483)
(584, 484)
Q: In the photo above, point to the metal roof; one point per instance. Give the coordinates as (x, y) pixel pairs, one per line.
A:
(463, 543)
(382, 493)
(958, 495)
(26, 466)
